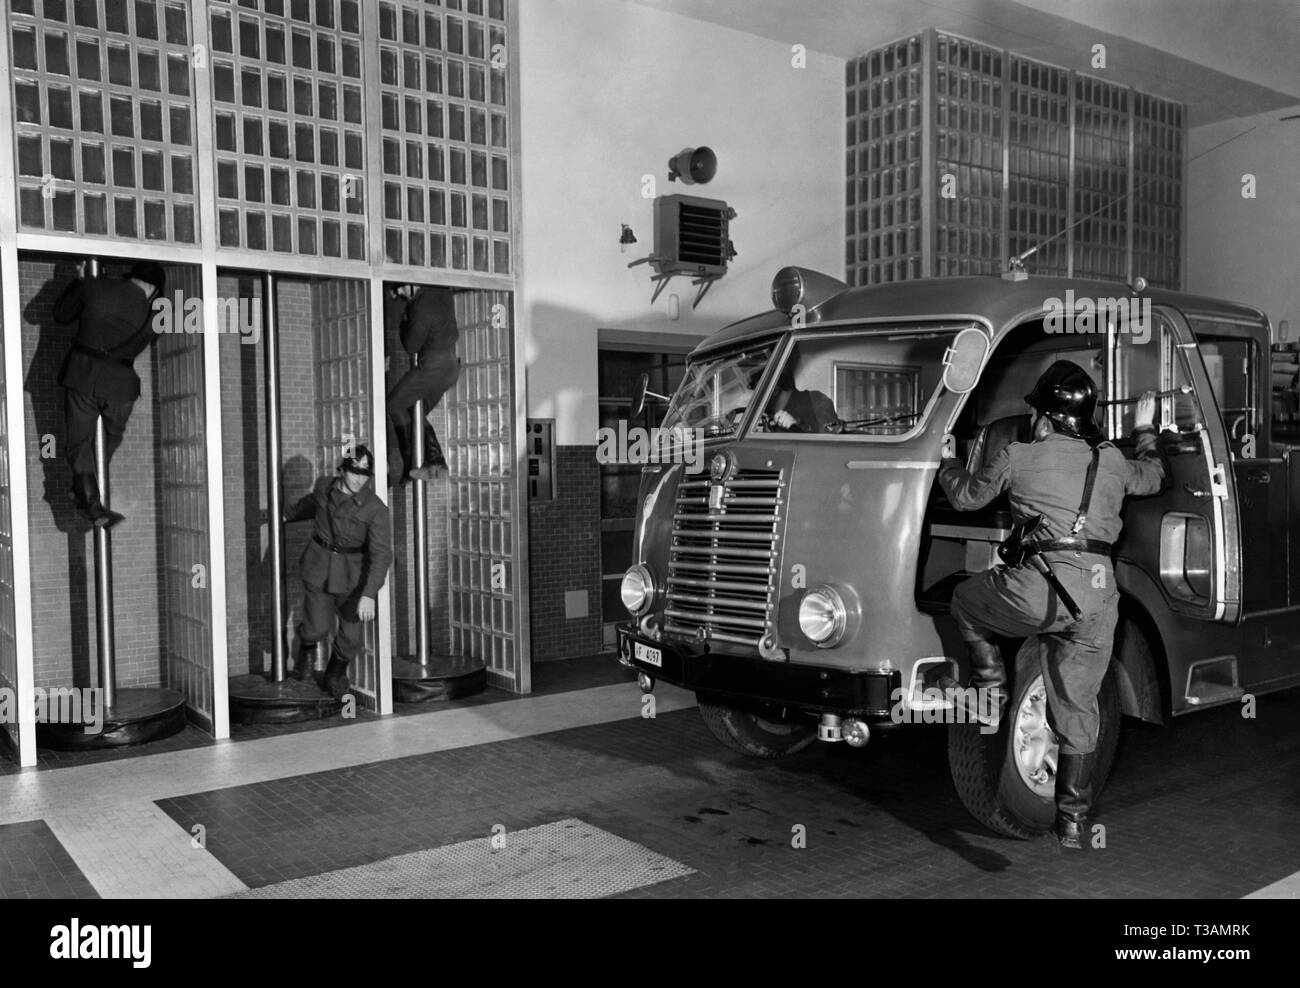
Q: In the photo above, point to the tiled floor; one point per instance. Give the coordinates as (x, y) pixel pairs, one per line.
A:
(1204, 808)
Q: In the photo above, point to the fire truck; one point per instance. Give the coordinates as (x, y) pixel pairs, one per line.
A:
(797, 577)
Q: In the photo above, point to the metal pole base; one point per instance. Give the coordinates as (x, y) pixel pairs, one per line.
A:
(255, 699)
(136, 716)
(441, 677)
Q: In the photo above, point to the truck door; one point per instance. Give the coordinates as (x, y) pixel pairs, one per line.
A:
(1186, 537)
(1232, 363)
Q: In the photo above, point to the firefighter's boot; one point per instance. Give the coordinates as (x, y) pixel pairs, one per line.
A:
(335, 681)
(433, 458)
(85, 489)
(399, 456)
(304, 657)
(988, 677)
(1073, 799)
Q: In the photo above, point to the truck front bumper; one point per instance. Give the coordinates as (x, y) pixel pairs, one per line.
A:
(749, 680)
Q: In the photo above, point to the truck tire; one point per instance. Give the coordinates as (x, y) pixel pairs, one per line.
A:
(1007, 780)
(755, 736)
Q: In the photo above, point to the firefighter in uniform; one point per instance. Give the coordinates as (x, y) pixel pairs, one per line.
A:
(344, 565)
(98, 375)
(428, 330)
(1066, 488)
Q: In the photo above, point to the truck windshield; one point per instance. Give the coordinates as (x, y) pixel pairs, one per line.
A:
(857, 384)
(716, 392)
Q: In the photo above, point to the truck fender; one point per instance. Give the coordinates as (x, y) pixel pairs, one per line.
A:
(1141, 670)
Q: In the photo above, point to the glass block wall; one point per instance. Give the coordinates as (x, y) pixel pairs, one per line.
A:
(969, 131)
(1158, 143)
(290, 131)
(943, 113)
(109, 111)
(883, 142)
(1100, 179)
(445, 135)
(104, 102)
(485, 583)
(1039, 163)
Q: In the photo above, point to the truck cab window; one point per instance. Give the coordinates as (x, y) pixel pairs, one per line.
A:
(1229, 364)
(875, 384)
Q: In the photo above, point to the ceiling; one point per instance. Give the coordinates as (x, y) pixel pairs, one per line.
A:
(1223, 58)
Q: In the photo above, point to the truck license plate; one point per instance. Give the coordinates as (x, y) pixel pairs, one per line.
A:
(648, 655)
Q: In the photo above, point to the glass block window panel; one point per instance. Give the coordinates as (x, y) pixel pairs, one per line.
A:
(182, 523)
(484, 555)
(1039, 165)
(458, 53)
(969, 137)
(1100, 179)
(1157, 190)
(885, 90)
(104, 68)
(288, 77)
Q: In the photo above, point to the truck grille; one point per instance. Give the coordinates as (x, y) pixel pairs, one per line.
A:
(720, 574)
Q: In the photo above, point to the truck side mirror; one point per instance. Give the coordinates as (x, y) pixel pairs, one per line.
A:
(964, 360)
(639, 393)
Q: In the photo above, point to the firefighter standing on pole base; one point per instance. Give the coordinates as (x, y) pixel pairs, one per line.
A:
(114, 326)
(1066, 488)
(343, 566)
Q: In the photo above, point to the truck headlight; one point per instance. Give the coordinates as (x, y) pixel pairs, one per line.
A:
(638, 590)
(822, 616)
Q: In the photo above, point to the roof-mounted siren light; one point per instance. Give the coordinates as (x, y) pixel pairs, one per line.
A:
(801, 287)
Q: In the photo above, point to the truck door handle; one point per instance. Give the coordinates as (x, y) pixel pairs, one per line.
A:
(1259, 476)
(1194, 492)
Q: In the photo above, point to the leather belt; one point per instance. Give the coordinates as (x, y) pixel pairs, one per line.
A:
(101, 354)
(1075, 545)
(340, 550)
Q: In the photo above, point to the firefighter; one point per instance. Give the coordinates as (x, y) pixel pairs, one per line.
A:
(1074, 485)
(344, 565)
(98, 375)
(800, 411)
(427, 329)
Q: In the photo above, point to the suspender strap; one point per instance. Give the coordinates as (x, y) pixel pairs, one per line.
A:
(1082, 516)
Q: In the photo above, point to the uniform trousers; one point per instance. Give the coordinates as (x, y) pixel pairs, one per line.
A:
(1073, 655)
(319, 611)
(79, 413)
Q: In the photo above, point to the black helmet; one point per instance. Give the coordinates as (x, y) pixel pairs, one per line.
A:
(1067, 395)
(361, 462)
(151, 272)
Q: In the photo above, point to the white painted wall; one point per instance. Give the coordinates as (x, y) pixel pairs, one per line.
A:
(610, 91)
(1246, 249)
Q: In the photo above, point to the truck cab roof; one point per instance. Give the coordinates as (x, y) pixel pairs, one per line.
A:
(999, 301)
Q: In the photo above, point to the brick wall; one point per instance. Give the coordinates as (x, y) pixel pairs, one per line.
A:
(63, 577)
(564, 555)
(243, 415)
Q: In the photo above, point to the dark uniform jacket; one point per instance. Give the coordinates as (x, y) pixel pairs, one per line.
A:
(813, 411)
(1046, 478)
(114, 320)
(430, 325)
(358, 521)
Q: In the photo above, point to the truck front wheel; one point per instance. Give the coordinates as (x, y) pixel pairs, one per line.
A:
(755, 735)
(1007, 780)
